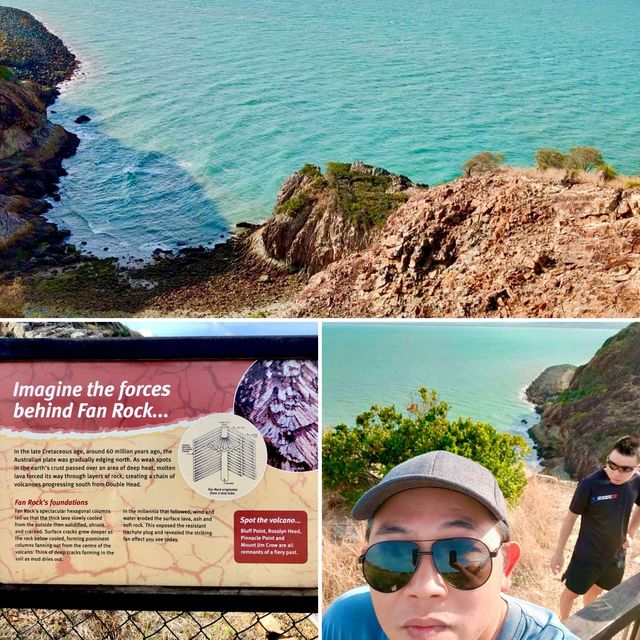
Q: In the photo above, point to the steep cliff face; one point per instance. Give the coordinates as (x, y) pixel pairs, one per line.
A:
(601, 404)
(31, 154)
(319, 219)
(510, 243)
(32, 61)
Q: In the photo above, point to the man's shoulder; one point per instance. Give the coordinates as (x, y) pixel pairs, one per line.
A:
(352, 616)
(528, 621)
(596, 477)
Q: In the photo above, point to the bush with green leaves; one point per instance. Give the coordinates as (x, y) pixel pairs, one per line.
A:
(363, 198)
(584, 158)
(548, 158)
(6, 73)
(607, 171)
(483, 162)
(355, 458)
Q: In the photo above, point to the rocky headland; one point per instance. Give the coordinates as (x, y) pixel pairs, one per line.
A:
(550, 384)
(581, 420)
(32, 62)
(508, 243)
(31, 52)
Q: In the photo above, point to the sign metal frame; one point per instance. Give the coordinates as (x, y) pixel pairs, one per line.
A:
(152, 598)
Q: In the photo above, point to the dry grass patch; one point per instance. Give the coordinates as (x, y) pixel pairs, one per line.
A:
(12, 299)
(579, 177)
(44, 624)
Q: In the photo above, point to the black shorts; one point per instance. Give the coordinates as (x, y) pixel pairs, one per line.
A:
(580, 576)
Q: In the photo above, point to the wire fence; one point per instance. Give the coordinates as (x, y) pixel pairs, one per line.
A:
(65, 624)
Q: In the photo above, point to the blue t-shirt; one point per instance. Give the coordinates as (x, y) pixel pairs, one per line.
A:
(351, 617)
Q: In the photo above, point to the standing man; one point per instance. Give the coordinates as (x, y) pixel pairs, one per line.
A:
(438, 557)
(604, 501)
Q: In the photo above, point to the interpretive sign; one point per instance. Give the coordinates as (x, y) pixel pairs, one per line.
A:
(166, 462)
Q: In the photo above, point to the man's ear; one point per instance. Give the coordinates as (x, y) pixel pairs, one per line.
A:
(511, 553)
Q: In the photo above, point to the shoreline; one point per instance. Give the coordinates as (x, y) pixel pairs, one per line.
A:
(42, 257)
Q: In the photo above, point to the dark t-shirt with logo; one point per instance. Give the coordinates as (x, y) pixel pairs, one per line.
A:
(605, 509)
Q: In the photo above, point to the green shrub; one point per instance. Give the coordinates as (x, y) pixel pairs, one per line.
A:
(6, 74)
(569, 395)
(549, 158)
(483, 162)
(339, 169)
(363, 198)
(584, 158)
(355, 458)
(607, 171)
(310, 170)
(294, 205)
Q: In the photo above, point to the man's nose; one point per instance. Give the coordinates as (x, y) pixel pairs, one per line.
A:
(426, 582)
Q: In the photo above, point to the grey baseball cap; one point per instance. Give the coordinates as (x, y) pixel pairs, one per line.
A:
(440, 469)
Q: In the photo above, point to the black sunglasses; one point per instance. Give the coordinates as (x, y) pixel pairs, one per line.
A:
(616, 467)
(464, 563)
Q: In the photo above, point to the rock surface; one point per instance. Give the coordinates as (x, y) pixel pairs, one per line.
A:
(315, 221)
(550, 384)
(66, 330)
(510, 243)
(31, 147)
(31, 154)
(601, 404)
(31, 52)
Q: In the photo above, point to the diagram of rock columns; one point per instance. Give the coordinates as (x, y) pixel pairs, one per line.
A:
(224, 450)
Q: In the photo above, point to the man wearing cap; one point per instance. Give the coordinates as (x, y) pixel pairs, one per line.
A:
(438, 557)
(603, 500)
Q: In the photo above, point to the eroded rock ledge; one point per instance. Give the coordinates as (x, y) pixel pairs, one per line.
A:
(320, 219)
(601, 403)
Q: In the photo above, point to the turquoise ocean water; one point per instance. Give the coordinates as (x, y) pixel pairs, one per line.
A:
(200, 108)
(481, 370)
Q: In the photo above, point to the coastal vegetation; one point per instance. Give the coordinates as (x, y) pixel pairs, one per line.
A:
(355, 457)
(12, 299)
(578, 159)
(483, 162)
(363, 197)
(6, 74)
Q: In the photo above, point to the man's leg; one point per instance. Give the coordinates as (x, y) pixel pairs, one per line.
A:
(578, 579)
(591, 595)
(567, 598)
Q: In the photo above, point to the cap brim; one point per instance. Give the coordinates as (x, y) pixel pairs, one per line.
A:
(373, 499)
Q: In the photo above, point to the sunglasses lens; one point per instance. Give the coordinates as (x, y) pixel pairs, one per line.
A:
(616, 467)
(464, 563)
(388, 566)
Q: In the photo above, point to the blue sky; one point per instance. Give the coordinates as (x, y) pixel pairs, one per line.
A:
(156, 328)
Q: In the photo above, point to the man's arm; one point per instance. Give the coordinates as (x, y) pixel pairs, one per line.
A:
(557, 559)
(634, 523)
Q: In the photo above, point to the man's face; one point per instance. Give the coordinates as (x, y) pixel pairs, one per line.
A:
(618, 476)
(428, 608)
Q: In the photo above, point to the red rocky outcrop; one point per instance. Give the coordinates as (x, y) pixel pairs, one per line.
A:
(511, 243)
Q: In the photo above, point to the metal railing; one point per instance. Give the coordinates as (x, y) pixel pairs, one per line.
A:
(616, 611)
